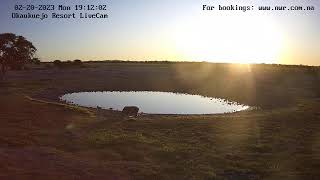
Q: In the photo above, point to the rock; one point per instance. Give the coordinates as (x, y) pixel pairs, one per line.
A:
(131, 111)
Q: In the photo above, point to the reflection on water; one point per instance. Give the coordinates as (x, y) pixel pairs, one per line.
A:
(154, 102)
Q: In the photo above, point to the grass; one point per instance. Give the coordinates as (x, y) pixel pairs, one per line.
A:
(279, 140)
(85, 111)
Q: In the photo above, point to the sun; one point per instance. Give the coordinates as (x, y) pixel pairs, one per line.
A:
(229, 38)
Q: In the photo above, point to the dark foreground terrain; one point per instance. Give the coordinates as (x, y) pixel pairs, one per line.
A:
(42, 138)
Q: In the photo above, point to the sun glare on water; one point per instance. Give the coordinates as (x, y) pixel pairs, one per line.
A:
(229, 38)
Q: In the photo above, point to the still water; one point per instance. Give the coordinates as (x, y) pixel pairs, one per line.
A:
(154, 102)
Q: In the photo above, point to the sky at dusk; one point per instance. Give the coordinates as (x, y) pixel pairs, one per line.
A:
(176, 30)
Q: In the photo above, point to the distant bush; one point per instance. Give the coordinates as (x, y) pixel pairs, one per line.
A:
(36, 61)
(57, 63)
(77, 62)
(68, 64)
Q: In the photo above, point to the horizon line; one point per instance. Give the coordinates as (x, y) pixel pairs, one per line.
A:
(175, 61)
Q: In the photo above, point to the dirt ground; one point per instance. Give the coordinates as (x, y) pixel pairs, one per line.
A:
(42, 138)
